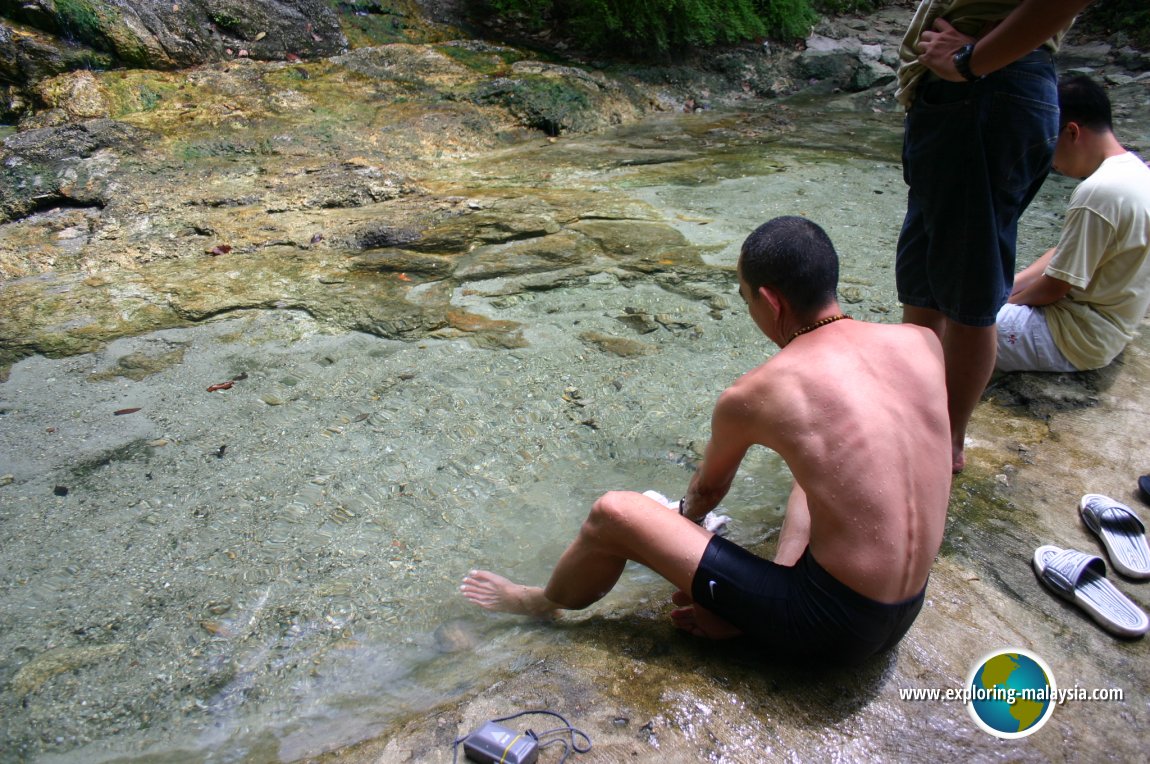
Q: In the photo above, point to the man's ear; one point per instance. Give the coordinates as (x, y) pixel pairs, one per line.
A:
(773, 298)
(1075, 131)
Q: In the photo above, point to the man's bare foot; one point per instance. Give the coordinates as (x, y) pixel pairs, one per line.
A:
(957, 458)
(699, 621)
(494, 592)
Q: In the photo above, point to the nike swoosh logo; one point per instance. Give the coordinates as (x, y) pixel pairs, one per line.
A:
(711, 584)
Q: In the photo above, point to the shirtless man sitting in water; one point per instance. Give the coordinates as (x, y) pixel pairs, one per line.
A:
(858, 412)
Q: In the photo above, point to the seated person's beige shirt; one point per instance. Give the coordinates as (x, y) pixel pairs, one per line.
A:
(1104, 253)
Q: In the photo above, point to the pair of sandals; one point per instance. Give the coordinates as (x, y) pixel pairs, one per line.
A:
(1080, 578)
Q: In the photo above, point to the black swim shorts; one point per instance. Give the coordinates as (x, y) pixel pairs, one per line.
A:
(797, 612)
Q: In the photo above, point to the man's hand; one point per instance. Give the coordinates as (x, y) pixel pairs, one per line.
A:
(1043, 290)
(716, 524)
(937, 48)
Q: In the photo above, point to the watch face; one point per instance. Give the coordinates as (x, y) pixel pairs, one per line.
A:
(962, 62)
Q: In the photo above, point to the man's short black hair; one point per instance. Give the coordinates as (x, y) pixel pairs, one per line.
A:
(794, 256)
(1082, 100)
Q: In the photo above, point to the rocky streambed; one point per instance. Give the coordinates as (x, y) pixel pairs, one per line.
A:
(292, 345)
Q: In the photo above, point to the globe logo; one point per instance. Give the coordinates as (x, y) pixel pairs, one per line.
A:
(1012, 693)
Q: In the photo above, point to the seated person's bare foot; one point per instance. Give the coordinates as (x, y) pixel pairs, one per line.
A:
(494, 592)
(699, 621)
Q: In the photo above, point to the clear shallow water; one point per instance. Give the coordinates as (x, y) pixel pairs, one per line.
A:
(268, 571)
(301, 585)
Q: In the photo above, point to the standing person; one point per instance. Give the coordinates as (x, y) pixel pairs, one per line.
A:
(979, 86)
(857, 411)
(1077, 306)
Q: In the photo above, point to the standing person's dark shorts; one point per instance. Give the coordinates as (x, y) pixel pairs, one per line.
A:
(974, 155)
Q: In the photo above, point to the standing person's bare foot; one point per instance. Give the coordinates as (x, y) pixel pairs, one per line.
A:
(494, 592)
(699, 621)
(958, 457)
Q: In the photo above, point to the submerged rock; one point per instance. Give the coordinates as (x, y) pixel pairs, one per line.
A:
(58, 660)
(620, 346)
(456, 636)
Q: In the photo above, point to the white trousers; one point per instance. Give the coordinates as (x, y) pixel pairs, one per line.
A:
(1025, 342)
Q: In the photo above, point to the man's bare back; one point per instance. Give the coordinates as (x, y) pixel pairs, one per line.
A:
(875, 466)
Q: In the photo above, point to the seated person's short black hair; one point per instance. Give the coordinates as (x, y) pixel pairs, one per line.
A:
(794, 256)
(1082, 100)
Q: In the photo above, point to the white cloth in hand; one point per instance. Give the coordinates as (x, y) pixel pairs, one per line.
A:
(715, 523)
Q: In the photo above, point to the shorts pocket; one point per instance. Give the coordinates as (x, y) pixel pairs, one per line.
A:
(1022, 128)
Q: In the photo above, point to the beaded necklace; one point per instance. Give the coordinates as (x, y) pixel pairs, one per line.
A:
(817, 324)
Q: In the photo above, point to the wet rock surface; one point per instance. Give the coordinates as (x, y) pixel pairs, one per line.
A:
(314, 185)
(167, 35)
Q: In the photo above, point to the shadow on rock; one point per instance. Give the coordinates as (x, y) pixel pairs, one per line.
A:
(1041, 394)
(679, 670)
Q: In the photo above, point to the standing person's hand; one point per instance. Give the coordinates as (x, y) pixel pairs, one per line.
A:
(937, 48)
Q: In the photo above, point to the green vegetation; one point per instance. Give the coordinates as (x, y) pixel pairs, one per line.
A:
(537, 102)
(364, 29)
(224, 20)
(1128, 17)
(137, 90)
(79, 19)
(82, 20)
(834, 7)
(382, 22)
(485, 60)
(641, 27)
(787, 19)
(149, 99)
(99, 24)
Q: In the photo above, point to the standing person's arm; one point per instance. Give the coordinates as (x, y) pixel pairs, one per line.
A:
(1032, 23)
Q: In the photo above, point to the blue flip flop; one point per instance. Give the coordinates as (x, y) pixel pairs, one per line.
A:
(1144, 488)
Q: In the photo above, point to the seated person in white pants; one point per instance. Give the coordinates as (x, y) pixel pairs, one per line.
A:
(1078, 305)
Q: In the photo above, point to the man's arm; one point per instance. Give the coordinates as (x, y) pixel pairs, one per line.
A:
(730, 439)
(1033, 287)
(1029, 25)
(1042, 291)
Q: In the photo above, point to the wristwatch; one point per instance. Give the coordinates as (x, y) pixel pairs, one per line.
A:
(962, 62)
(683, 512)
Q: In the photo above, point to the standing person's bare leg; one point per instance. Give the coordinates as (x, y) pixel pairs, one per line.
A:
(969, 353)
(622, 526)
(931, 319)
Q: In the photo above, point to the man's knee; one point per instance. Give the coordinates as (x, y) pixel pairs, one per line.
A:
(609, 513)
(610, 508)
